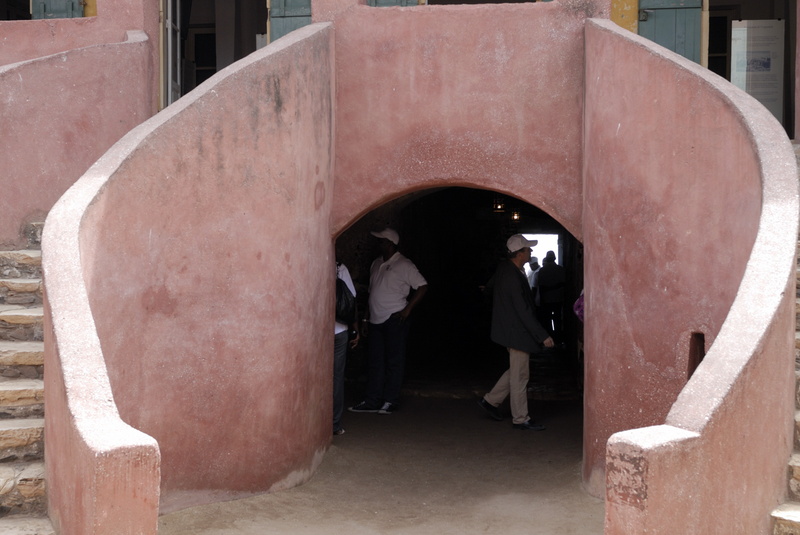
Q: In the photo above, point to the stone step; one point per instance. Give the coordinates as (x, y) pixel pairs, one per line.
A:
(786, 519)
(22, 489)
(797, 430)
(796, 387)
(32, 354)
(23, 359)
(797, 310)
(21, 440)
(21, 323)
(21, 398)
(794, 477)
(25, 525)
(22, 264)
(21, 291)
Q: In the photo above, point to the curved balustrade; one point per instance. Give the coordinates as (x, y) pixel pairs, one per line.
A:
(62, 112)
(692, 198)
(183, 290)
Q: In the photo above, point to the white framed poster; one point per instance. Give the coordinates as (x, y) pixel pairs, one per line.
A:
(757, 61)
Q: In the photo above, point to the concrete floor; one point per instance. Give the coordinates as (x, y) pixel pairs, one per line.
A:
(437, 466)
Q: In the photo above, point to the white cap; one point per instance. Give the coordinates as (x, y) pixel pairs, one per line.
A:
(518, 241)
(388, 234)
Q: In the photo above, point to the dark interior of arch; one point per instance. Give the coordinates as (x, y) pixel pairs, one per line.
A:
(456, 239)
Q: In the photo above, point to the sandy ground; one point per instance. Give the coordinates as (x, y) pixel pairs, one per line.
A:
(437, 466)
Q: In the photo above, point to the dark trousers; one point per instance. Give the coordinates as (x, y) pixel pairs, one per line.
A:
(339, 361)
(387, 360)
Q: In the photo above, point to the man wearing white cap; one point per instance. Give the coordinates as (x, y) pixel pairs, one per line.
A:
(514, 327)
(391, 279)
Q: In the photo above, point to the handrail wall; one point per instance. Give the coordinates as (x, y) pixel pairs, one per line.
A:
(241, 168)
(24, 40)
(720, 455)
(62, 112)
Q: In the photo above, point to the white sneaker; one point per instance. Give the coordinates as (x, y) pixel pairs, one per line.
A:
(387, 408)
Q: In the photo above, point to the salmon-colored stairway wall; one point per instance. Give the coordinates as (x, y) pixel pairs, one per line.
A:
(691, 221)
(205, 270)
(59, 114)
(70, 88)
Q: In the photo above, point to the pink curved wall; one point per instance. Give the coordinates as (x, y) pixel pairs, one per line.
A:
(60, 114)
(205, 268)
(102, 475)
(673, 199)
(690, 221)
(71, 88)
(485, 95)
(23, 40)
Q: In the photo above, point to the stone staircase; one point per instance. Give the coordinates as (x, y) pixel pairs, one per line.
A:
(23, 505)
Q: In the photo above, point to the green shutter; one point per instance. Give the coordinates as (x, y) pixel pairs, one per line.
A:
(288, 15)
(389, 3)
(57, 9)
(673, 24)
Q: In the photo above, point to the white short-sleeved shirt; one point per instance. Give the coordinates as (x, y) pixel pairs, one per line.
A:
(389, 285)
(343, 273)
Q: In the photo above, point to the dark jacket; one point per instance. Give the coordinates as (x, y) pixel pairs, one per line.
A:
(550, 282)
(514, 324)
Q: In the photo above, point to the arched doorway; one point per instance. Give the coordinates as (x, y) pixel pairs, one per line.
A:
(439, 465)
(456, 237)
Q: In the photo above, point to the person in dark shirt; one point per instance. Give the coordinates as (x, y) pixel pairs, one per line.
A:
(514, 326)
(550, 282)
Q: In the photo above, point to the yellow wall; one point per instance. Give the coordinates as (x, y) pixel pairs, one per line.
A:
(624, 13)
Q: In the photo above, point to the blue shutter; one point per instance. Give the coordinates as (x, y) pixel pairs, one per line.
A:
(288, 15)
(673, 24)
(57, 9)
(387, 3)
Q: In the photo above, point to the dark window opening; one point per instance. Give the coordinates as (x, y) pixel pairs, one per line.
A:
(15, 10)
(697, 351)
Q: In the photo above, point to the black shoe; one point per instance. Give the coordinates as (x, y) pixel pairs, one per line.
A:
(363, 407)
(491, 410)
(530, 426)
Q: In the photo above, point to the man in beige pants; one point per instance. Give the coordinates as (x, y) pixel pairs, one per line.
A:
(514, 326)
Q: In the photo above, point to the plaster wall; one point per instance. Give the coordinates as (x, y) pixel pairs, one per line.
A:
(669, 227)
(202, 267)
(102, 475)
(60, 113)
(487, 96)
(676, 234)
(23, 40)
(71, 88)
(196, 270)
